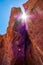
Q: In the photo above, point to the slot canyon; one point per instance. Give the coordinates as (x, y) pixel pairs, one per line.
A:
(21, 45)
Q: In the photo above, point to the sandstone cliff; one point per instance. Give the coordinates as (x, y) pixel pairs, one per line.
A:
(35, 30)
(12, 44)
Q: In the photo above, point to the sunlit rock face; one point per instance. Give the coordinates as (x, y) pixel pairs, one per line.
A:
(13, 45)
(21, 46)
(35, 31)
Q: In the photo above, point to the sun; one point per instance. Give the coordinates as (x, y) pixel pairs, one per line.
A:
(24, 16)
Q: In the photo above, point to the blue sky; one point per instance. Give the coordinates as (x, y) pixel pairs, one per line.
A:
(5, 10)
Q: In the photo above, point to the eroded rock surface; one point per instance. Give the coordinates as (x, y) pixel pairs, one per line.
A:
(17, 47)
(35, 31)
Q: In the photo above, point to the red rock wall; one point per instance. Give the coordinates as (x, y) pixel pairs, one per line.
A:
(35, 31)
(9, 41)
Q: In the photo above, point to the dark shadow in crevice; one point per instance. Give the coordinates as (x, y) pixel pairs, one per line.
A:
(22, 30)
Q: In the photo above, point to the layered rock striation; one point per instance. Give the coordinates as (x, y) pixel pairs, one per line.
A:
(20, 46)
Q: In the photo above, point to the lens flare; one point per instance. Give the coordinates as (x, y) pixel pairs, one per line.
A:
(24, 16)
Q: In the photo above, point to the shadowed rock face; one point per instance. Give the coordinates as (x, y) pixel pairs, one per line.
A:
(14, 42)
(20, 46)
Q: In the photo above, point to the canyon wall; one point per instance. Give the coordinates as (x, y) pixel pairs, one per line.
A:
(12, 43)
(35, 30)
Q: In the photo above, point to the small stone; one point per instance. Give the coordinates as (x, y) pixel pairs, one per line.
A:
(19, 49)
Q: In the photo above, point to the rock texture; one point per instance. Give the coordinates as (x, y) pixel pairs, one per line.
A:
(13, 43)
(20, 46)
(35, 31)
